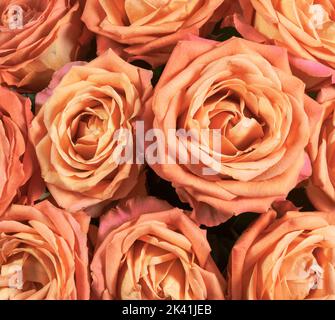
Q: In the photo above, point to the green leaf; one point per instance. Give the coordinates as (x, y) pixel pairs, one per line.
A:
(32, 97)
(44, 196)
(157, 74)
(313, 94)
(223, 237)
(223, 34)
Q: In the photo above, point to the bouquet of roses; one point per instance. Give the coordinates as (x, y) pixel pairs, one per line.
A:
(167, 149)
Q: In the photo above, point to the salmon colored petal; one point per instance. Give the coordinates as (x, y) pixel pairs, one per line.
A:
(284, 258)
(47, 250)
(152, 31)
(75, 131)
(247, 93)
(148, 250)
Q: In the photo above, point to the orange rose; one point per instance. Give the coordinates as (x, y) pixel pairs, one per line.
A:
(148, 250)
(304, 28)
(43, 254)
(146, 30)
(246, 92)
(37, 38)
(290, 258)
(75, 132)
(321, 189)
(20, 175)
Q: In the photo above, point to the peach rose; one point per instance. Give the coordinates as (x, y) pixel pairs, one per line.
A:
(37, 38)
(246, 92)
(43, 254)
(146, 30)
(75, 132)
(148, 250)
(20, 180)
(289, 258)
(305, 28)
(321, 188)
(42, 96)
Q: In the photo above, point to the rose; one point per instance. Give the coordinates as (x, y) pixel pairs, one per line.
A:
(304, 28)
(76, 131)
(148, 250)
(20, 175)
(42, 96)
(247, 93)
(43, 254)
(146, 30)
(288, 258)
(321, 188)
(37, 38)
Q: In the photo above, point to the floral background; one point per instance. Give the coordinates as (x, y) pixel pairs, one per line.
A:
(77, 224)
